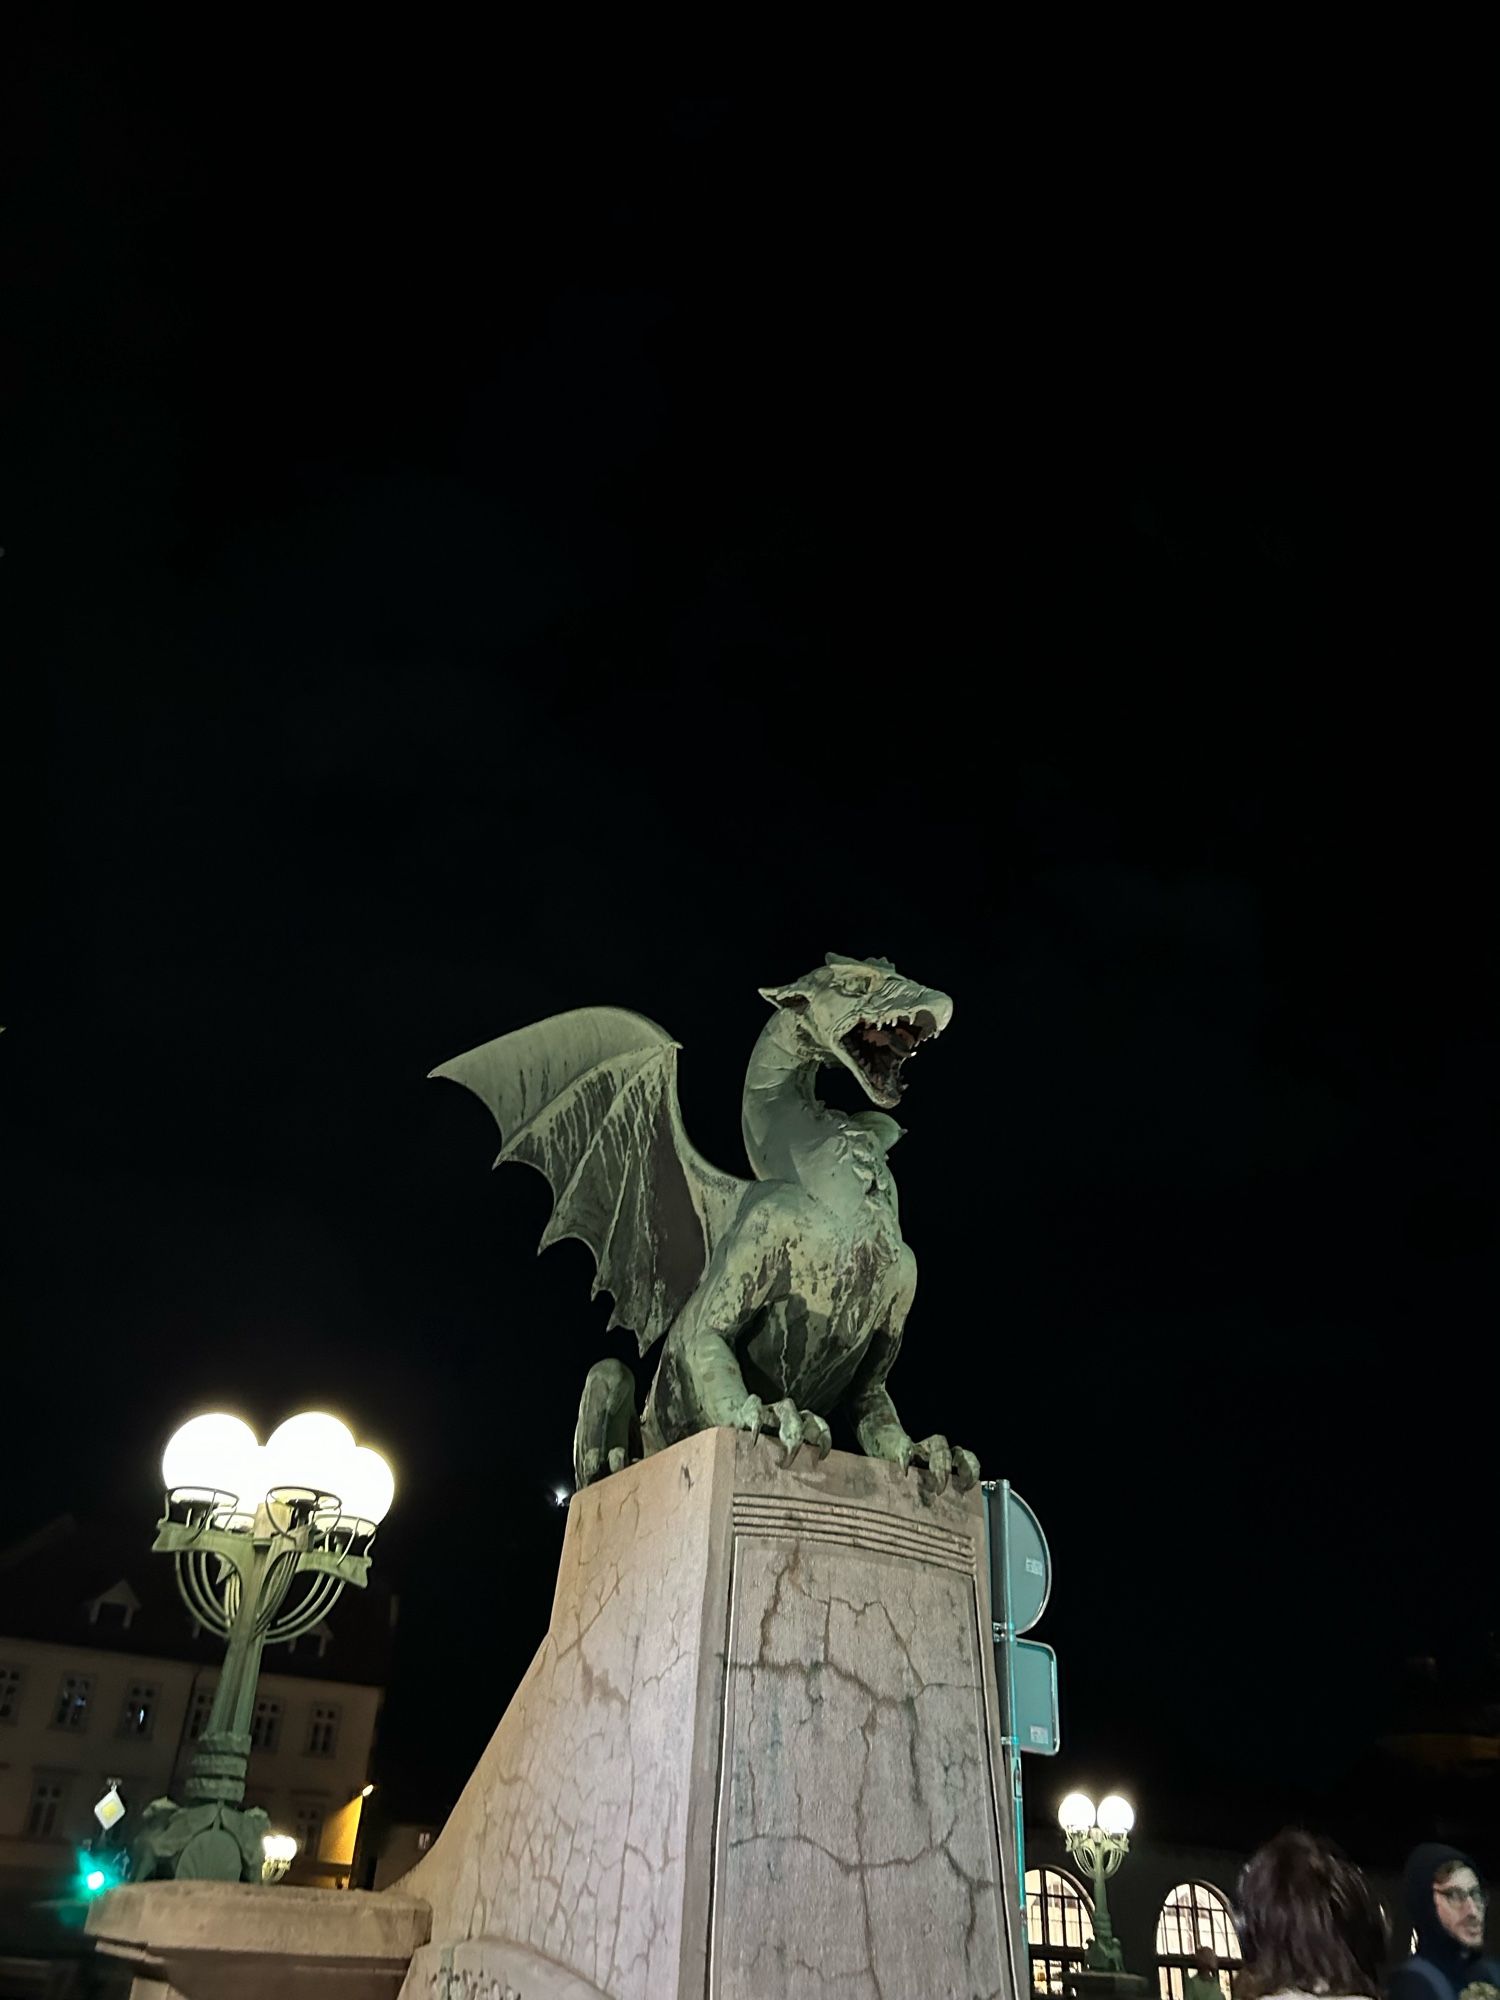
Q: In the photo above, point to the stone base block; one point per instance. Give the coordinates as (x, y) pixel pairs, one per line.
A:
(246, 1941)
(756, 1757)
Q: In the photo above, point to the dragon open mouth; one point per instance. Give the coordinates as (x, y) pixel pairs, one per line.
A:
(879, 1048)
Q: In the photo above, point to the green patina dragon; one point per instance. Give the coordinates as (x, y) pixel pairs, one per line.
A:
(780, 1297)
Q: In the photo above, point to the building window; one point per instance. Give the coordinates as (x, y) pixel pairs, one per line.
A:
(308, 1827)
(72, 1702)
(1195, 1917)
(1059, 1926)
(139, 1712)
(10, 1693)
(198, 1714)
(323, 1732)
(265, 1725)
(46, 1806)
(424, 1840)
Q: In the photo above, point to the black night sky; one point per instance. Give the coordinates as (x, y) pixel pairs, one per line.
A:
(477, 546)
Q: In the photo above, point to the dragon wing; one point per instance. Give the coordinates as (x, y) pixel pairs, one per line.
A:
(590, 1100)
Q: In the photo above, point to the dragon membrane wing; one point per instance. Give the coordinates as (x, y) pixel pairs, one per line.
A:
(590, 1100)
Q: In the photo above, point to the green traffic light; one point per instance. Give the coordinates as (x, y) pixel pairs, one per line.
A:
(94, 1881)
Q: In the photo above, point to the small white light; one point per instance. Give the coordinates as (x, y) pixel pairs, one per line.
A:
(367, 1791)
(1116, 1815)
(1076, 1813)
(560, 1496)
(279, 1847)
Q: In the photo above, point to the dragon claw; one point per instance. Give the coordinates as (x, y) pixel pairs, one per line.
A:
(944, 1462)
(784, 1420)
(750, 1416)
(797, 1427)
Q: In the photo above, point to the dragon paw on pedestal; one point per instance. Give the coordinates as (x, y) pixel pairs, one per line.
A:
(944, 1461)
(792, 1426)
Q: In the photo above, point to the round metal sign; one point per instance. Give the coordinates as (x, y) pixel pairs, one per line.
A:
(1020, 1557)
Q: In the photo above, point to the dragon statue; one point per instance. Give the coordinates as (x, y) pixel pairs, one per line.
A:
(780, 1298)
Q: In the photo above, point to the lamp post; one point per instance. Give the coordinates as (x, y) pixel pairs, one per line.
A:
(243, 1523)
(1099, 1841)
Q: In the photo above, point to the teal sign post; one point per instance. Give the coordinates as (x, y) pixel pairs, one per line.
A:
(1020, 1585)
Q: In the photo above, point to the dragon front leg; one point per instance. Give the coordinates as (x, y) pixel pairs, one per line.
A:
(880, 1430)
(700, 1384)
(882, 1435)
(718, 1388)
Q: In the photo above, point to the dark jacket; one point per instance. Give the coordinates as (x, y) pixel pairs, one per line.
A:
(1441, 1968)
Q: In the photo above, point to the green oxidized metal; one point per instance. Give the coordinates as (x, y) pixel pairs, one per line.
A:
(779, 1298)
(235, 1573)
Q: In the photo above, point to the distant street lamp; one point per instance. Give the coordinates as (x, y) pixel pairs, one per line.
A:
(243, 1522)
(280, 1851)
(1099, 1841)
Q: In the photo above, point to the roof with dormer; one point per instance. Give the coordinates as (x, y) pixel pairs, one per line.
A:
(97, 1583)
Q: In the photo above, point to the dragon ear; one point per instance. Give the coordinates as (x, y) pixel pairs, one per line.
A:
(794, 996)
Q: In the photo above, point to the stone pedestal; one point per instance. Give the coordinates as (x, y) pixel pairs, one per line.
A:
(756, 1757)
(245, 1941)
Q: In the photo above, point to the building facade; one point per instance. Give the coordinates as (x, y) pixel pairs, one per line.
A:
(105, 1678)
(1166, 1903)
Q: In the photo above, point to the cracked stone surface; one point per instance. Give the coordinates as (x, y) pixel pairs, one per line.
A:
(752, 1757)
(571, 1835)
(857, 1827)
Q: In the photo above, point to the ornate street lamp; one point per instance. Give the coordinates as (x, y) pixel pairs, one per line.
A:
(1099, 1842)
(243, 1523)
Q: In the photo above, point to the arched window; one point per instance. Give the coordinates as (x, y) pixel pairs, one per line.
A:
(1059, 1926)
(1194, 1915)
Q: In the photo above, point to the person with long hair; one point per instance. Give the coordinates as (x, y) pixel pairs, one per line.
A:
(1308, 1923)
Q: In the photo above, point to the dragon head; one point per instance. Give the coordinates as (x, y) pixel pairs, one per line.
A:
(860, 1012)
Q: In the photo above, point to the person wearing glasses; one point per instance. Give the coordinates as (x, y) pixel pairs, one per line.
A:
(1446, 1901)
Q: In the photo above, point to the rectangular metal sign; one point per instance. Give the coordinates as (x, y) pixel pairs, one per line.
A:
(1036, 1718)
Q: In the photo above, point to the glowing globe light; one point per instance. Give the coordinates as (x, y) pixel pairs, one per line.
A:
(1076, 1813)
(369, 1486)
(94, 1880)
(213, 1453)
(280, 1851)
(1116, 1815)
(311, 1449)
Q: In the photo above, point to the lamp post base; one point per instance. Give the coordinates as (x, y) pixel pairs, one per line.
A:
(211, 1842)
(1104, 1955)
(1089, 1985)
